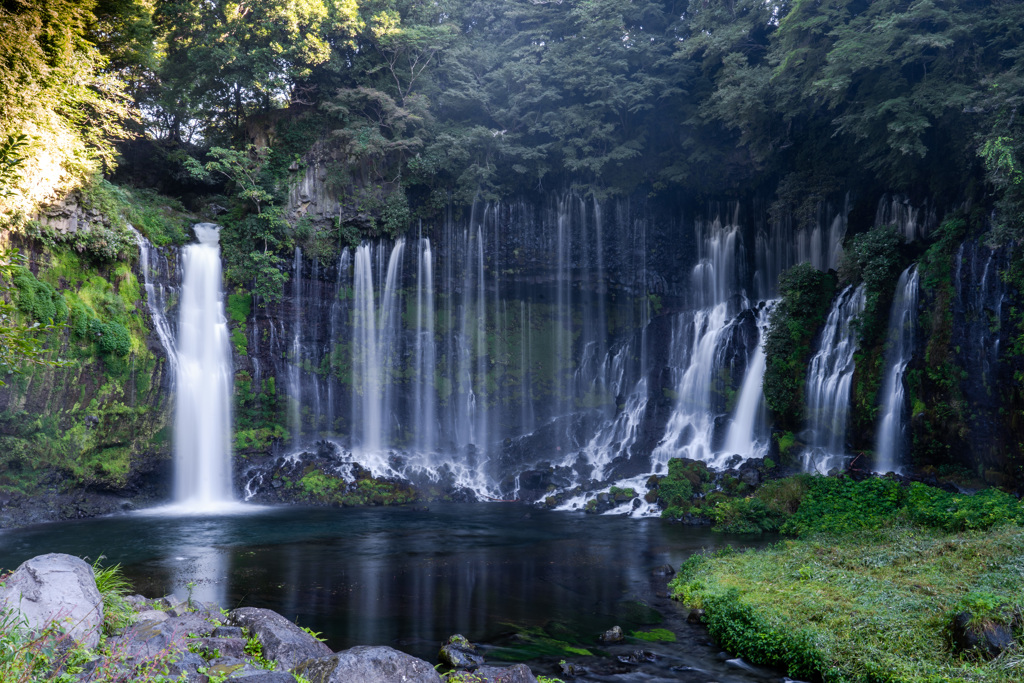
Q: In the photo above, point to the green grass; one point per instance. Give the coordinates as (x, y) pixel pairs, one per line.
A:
(873, 606)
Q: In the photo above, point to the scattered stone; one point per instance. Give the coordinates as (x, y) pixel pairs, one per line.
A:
(56, 589)
(988, 638)
(152, 615)
(638, 657)
(571, 670)
(613, 635)
(696, 616)
(458, 653)
(368, 664)
(283, 642)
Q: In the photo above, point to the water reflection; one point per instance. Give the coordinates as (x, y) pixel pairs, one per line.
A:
(402, 577)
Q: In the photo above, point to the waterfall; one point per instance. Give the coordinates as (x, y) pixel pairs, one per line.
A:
(374, 349)
(425, 416)
(747, 434)
(695, 351)
(295, 364)
(828, 384)
(891, 439)
(153, 263)
(202, 423)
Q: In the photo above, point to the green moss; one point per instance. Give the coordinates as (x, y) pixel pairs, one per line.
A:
(655, 635)
(239, 306)
(871, 606)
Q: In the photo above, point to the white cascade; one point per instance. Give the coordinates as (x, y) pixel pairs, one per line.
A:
(891, 438)
(425, 402)
(747, 435)
(374, 348)
(695, 344)
(828, 384)
(295, 364)
(152, 262)
(202, 423)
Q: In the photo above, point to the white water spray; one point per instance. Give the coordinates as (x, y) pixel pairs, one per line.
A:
(891, 437)
(202, 424)
(828, 384)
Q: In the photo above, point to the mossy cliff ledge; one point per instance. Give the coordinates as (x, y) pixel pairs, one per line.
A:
(92, 434)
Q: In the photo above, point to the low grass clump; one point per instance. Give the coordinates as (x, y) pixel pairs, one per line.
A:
(874, 605)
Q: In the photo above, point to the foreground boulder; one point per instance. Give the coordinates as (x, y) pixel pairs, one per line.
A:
(56, 589)
(368, 664)
(283, 642)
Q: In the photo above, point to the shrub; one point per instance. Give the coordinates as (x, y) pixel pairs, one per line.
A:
(38, 299)
(842, 505)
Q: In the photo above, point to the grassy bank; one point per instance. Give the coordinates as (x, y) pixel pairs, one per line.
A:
(868, 592)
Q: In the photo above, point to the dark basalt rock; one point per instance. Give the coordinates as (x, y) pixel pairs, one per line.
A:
(283, 642)
(987, 638)
(458, 653)
(571, 670)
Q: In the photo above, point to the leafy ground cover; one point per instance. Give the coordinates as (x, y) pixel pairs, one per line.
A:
(868, 591)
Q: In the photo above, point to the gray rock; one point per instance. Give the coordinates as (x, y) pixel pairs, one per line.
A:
(459, 653)
(283, 642)
(232, 667)
(215, 648)
(227, 632)
(56, 589)
(520, 673)
(368, 664)
(266, 677)
(188, 664)
(146, 640)
(152, 615)
(613, 635)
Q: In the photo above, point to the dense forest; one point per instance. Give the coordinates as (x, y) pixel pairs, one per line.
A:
(309, 127)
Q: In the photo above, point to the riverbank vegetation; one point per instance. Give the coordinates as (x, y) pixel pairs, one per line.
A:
(869, 587)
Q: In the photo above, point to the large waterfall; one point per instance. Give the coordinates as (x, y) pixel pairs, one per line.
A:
(575, 337)
(891, 439)
(202, 422)
(829, 377)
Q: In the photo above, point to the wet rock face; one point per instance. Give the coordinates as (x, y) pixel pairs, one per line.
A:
(56, 590)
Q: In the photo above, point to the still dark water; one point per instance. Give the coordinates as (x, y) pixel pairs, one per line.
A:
(410, 578)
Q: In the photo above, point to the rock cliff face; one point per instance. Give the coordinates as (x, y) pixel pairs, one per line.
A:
(555, 333)
(92, 435)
